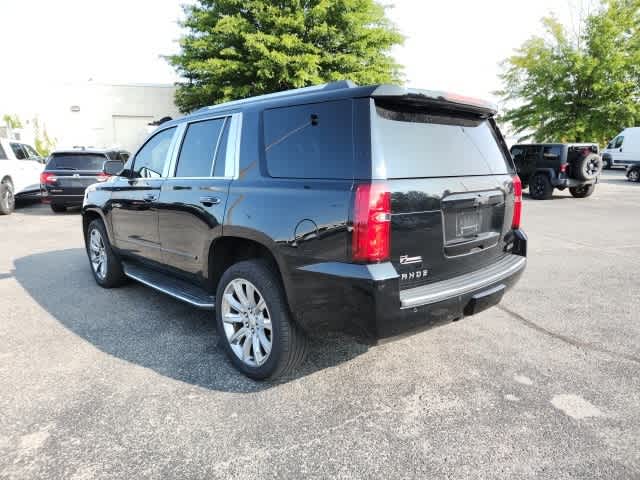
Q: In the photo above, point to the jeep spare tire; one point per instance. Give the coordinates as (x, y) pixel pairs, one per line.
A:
(588, 167)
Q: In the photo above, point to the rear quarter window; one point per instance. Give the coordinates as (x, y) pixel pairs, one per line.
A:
(420, 144)
(310, 141)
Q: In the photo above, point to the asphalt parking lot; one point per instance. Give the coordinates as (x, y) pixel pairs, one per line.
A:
(128, 383)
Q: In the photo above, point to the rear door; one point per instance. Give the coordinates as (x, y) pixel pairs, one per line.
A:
(617, 150)
(193, 198)
(451, 190)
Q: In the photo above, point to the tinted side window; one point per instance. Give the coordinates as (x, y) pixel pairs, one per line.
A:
(3, 156)
(532, 153)
(18, 151)
(552, 153)
(31, 152)
(152, 158)
(310, 141)
(619, 142)
(199, 147)
(517, 153)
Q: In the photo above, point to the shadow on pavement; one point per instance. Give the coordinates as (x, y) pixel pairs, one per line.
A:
(137, 324)
(618, 181)
(36, 207)
(526, 196)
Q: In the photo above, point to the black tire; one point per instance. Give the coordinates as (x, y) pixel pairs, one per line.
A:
(288, 342)
(540, 187)
(113, 276)
(606, 162)
(7, 200)
(633, 175)
(582, 192)
(57, 208)
(588, 167)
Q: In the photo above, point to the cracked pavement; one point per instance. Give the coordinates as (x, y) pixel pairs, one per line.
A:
(127, 383)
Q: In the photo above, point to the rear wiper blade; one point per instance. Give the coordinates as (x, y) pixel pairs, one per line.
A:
(65, 168)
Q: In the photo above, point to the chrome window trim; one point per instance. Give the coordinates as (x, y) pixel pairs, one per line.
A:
(232, 165)
(174, 148)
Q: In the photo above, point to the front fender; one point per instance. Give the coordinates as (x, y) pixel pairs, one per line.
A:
(90, 210)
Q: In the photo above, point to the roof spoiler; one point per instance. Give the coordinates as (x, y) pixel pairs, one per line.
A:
(415, 95)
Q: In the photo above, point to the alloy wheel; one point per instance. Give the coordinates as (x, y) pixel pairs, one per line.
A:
(8, 200)
(634, 175)
(247, 322)
(538, 187)
(98, 254)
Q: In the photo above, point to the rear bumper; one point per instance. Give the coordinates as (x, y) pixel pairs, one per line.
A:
(63, 199)
(563, 182)
(365, 300)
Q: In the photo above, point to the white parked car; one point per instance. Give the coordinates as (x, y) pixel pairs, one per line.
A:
(623, 150)
(20, 168)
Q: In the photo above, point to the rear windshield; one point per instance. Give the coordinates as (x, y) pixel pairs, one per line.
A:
(76, 161)
(417, 144)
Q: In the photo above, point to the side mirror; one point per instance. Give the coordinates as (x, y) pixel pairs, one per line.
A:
(112, 167)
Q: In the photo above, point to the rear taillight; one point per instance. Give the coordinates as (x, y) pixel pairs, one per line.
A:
(371, 223)
(563, 168)
(48, 178)
(517, 202)
(102, 177)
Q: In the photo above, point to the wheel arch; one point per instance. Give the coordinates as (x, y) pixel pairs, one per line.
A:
(89, 214)
(228, 249)
(549, 172)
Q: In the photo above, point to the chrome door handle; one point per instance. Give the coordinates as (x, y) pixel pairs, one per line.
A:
(149, 197)
(209, 201)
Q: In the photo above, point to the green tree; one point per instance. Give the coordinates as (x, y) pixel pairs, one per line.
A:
(585, 88)
(239, 48)
(12, 121)
(43, 142)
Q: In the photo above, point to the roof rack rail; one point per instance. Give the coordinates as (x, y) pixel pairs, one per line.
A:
(338, 85)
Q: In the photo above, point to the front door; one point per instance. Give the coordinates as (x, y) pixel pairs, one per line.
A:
(134, 198)
(616, 150)
(193, 198)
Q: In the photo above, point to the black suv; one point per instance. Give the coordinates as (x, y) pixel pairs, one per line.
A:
(376, 210)
(545, 166)
(69, 172)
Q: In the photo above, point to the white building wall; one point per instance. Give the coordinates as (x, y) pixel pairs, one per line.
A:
(95, 114)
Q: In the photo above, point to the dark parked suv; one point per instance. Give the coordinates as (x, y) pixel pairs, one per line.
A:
(69, 172)
(545, 166)
(376, 210)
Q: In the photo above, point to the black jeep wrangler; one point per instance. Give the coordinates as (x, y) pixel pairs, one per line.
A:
(545, 166)
(377, 210)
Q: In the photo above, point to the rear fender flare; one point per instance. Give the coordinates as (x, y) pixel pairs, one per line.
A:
(268, 243)
(550, 172)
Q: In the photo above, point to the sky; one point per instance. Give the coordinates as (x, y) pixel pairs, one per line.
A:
(453, 45)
